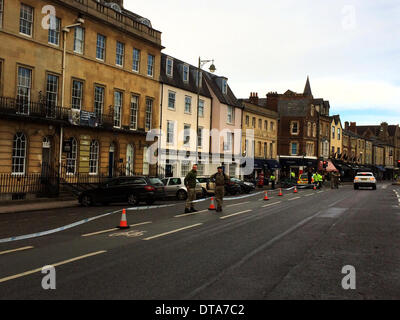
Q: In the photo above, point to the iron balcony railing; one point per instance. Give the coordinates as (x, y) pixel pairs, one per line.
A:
(26, 108)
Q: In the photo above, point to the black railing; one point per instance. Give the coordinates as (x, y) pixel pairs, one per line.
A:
(25, 108)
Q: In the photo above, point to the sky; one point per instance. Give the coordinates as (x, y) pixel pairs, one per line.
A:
(349, 49)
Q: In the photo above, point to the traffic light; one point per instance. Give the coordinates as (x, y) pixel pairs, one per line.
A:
(325, 164)
(398, 163)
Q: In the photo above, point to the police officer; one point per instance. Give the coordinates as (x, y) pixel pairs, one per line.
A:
(273, 179)
(190, 183)
(220, 179)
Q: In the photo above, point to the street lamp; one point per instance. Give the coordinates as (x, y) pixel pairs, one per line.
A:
(65, 30)
(212, 70)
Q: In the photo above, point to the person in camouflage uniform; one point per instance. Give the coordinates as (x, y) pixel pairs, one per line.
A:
(190, 183)
(220, 180)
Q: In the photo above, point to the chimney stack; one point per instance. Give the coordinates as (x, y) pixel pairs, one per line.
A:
(346, 125)
(254, 98)
(272, 101)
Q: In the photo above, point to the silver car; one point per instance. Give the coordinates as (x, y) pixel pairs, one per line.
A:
(364, 179)
(175, 187)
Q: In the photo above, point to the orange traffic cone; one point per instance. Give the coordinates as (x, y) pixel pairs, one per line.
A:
(295, 189)
(123, 223)
(212, 204)
(280, 193)
(266, 196)
(315, 187)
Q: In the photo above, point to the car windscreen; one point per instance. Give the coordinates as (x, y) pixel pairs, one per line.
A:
(156, 182)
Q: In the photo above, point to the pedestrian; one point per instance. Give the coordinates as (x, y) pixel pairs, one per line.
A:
(190, 183)
(319, 180)
(220, 179)
(273, 179)
(293, 176)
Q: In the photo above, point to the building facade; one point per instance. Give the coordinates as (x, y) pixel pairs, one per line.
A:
(79, 90)
(264, 146)
(185, 120)
(336, 139)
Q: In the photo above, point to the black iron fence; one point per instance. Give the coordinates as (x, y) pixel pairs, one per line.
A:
(34, 183)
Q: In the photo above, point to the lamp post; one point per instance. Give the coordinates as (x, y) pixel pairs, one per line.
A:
(212, 70)
(65, 30)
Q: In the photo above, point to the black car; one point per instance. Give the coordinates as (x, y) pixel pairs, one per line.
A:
(246, 187)
(125, 189)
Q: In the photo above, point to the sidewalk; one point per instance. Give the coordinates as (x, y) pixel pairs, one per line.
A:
(32, 205)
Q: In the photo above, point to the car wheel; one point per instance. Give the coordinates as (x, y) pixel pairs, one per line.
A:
(355, 187)
(181, 195)
(374, 187)
(133, 200)
(87, 201)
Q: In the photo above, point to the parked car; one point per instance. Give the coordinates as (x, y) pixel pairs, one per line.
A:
(133, 190)
(246, 187)
(231, 187)
(175, 187)
(303, 179)
(364, 179)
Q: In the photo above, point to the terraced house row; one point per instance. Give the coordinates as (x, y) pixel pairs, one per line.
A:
(83, 82)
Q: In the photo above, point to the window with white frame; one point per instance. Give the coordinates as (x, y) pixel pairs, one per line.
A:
(185, 73)
(265, 125)
(200, 137)
(272, 126)
(310, 149)
(185, 168)
(253, 122)
(79, 40)
(201, 108)
(338, 133)
(224, 86)
(136, 60)
(333, 132)
(186, 134)
(26, 20)
(247, 120)
(1, 13)
(130, 158)
(119, 58)
(259, 124)
(117, 108)
(101, 47)
(228, 142)
(77, 94)
(19, 154)
(149, 114)
(171, 100)
(294, 148)
(294, 127)
(314, 130)
(170, 67)
(24, 89)
(98, 101)
(71, 157)
(94, 157)
(134, 111)
(309, 129)
(170, 131)
(51, 93)
(259, 148)
(188, 104)
(150, 65)
(231, 115)
(54, 31)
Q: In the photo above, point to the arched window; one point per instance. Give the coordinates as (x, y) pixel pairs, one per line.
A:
(19, 154)
(130, 157)
(309, 129)
(71, 157)
(314, 130)
(94, 157)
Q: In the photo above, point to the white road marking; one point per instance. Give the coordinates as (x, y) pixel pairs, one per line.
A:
(15, 250)
(189, 214)
(173, 231)
(53, 264)
(271, 204)
(295, 198)
(320, 191)
(235, 214)
(113, 229)
(309, 195)
(237, 204)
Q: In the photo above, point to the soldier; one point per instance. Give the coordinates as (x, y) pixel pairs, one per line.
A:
(190, 183)
(220, 179)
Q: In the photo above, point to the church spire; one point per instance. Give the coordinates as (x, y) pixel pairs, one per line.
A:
(307, 90)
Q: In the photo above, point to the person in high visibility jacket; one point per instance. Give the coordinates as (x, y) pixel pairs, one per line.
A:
(273, 179)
